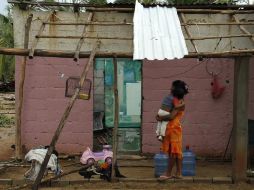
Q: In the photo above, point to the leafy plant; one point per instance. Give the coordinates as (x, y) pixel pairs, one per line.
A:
(7, 65)
(6, 121)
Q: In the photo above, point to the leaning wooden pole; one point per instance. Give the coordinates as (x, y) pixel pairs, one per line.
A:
(82, 37)
(29, 185)
(18, 149)
(64, 117)
(116, 120)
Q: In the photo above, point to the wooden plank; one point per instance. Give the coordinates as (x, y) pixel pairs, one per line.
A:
(116, 119)
(244, 30)
(131, 24)
(215, 37)
(36, 40)
(18, 149)
(83, 35)
(106, 54)
(188, 32)
(87, 37)
(65, 116)
(240, 119)
(92, 23)
(213, 23)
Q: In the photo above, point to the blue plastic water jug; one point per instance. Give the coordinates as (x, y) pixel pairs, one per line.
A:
(189, 163)
(160, 164)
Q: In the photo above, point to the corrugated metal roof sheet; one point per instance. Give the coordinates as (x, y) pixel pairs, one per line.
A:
(157, 34)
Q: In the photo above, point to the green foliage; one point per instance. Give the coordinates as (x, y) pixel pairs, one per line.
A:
(7, 65)
(6, 121)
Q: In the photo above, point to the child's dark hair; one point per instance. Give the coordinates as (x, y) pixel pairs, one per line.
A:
(178, 93)
(179, 89)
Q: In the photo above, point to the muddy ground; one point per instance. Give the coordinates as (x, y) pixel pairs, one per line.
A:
(141, 169)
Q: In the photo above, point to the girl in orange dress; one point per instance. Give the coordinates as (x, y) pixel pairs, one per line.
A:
(172, 143)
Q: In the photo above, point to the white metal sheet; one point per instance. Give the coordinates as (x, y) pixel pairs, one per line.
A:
(157, 34)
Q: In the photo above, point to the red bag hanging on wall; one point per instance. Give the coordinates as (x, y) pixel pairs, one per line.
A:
(217, 90)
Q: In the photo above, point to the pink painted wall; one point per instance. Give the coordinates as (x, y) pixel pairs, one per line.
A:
(45, 102)
(207, 122)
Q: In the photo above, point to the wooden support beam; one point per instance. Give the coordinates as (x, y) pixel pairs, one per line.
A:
(36, 40)
(240, 119)
(126, 38)
(18, 149)
(87, 37)
(244, 30)
(131, 24)
(213, 23)
(210, 11)
(83, 35)
(216, 37)
(64, 117)
(92, 23)
(116, 119)
(218, 23)
(104, 54)
(188, 32)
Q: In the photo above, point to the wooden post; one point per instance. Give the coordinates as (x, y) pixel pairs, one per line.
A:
(116, 120)
(18, 147)
(64, 117)
(240, 118)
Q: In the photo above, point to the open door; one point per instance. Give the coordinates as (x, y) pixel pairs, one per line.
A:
(129, 92)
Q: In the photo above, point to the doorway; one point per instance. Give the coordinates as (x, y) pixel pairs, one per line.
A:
(129, 92)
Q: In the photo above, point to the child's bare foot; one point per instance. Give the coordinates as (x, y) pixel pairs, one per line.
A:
(165, 177)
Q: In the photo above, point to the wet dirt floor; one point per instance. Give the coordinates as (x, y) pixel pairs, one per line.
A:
(140, 169)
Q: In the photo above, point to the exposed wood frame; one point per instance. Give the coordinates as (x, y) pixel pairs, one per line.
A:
(213, 23)
(35, 41)
(187, 31)
(130, 24)
(87, 37)
(103, 54)
(122, 38)
(92, 23)
(244, 30)
(83, 35)
(18, 149)
(240, 119)
(225, 36)
(205, 11)
(65, 116)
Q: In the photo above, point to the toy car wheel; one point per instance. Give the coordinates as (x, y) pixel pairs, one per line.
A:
(108, 160)
(90, 161)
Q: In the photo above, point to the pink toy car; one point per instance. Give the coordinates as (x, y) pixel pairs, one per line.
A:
(89, 157)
